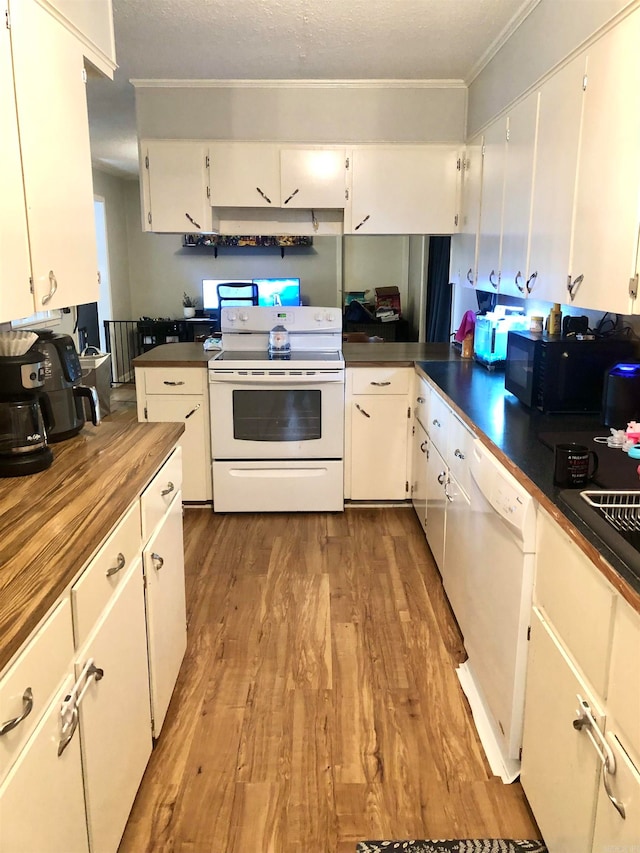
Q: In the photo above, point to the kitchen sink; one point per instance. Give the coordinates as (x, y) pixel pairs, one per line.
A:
(613, 516)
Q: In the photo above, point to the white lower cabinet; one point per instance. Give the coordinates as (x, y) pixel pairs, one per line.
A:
(456, 548)
(115, 717)
(42, 804)
(436, 501)
(163, 558)
(419, 472)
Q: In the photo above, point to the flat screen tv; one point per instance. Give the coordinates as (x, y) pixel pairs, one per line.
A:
(278, 291)
(210, 292)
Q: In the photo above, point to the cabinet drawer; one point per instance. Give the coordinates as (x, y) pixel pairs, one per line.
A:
(157, 497)
(421, 401)
(381, 380)
(92, 591)
(40, 667)
(439, 420)
(564, 577)
(459, 447)
(175, 380)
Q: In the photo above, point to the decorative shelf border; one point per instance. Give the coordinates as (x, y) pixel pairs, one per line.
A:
(213, 241)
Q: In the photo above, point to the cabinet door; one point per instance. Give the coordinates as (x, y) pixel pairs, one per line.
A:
(244, 174)
(464, 244)
(163, 560)
(16, 299)
(379, 447)
(404, 190)
(605, 233)
(56, 159)
(456, 550)
(177, 178)
(42, 799)
(612, 831)
(195, 442)
(436, 504)
(115, 716)
(419, 472)
(560, 765)
(489, 239)
(518, 190)
(559, 120)
(313, 177)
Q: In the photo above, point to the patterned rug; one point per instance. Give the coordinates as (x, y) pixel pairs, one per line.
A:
(467, 845)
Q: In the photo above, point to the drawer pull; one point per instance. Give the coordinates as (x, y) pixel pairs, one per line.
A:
(120, 564)
(192, 412)
(458, 453)
(436, 422)
(173, 384)
(366, 414)
(158, 561)
(381, 384)
(442, 476)
(423, 446)
(421, 400)
(27, 707)
(168, 490)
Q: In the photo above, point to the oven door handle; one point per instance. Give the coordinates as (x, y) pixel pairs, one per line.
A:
(278, 380)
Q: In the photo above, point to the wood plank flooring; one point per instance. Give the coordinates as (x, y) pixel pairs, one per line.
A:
(317, 704)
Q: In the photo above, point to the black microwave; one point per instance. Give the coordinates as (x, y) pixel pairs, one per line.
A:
(556, 374)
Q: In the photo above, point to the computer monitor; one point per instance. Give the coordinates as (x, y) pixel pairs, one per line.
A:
(210, 291)
(278, 291)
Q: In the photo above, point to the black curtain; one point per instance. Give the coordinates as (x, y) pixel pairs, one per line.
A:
(438, 291)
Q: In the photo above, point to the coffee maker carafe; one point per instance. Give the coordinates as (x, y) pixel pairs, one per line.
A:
(25, 415)
(63, 384)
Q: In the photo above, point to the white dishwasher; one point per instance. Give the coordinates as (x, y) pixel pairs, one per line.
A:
(495, 615)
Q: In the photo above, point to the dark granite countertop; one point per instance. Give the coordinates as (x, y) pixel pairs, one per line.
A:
(512, 431)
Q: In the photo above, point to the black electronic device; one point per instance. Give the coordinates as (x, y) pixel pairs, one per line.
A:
(575, 325)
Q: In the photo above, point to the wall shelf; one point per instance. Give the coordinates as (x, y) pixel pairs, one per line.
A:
(215, 242)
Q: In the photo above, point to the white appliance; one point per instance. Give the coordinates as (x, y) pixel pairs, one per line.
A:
(495, 610)
(277, 420)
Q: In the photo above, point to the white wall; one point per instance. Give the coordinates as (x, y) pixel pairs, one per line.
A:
(551, 31)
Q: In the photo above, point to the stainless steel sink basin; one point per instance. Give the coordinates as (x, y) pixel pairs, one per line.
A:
(614, 518)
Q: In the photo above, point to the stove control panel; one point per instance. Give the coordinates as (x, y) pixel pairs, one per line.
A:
(301, 318)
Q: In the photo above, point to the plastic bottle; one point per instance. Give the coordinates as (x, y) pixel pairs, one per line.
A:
(554, 325)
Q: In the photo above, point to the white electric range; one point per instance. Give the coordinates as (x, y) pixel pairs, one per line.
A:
(277, 422)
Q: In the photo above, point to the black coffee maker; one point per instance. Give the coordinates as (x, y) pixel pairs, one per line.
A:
(25, 415)
(63, 385)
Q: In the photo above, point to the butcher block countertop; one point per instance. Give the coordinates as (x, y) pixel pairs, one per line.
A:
(53, 522)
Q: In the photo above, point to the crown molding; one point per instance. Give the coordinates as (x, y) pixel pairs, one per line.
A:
(298, 84)
(523, 12)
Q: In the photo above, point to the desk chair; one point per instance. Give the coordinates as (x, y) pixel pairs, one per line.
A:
(235, 293)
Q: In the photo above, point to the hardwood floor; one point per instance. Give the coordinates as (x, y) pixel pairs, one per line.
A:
(317, 704)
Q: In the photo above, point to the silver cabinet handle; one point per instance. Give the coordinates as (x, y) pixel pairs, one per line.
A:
(531, 281)
(264, 195)
(470, 275)
(120, 564)
(192, 412)
(421, 400)
(193, 222)
(360, 224)
(585, 720)
(517, 282)
(366, 414)
(442, 476)
(380, 384)
(436, 422)
(27, 707)
(53, 286)
(423, 446)
(492, 282)
(168, 490)
(173, 384)
(458, 453)
(446, 491)
(69, 710)
(158, 561)
(572, 286)
(287, 200)
(69, 726)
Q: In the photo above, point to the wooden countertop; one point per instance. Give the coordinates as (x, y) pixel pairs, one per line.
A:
(54, 521)
(175, 355)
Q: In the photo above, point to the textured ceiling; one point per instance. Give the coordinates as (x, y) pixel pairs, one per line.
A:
(286, 40)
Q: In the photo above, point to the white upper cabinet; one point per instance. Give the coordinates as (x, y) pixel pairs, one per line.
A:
(559, 121)
(244, 174)
(522, 124)
(606, 214)
(175, 187)
(489, 239)
(16, 299)
(400, 189)
(313, 177)
(464, 244)
(56, 159)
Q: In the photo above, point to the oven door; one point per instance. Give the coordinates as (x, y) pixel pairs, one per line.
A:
(262, 416)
